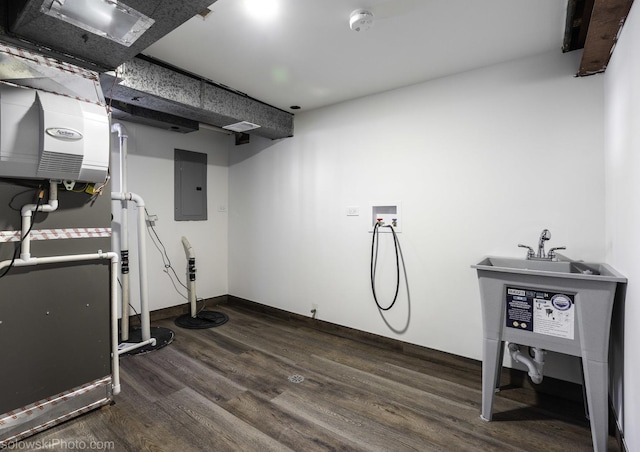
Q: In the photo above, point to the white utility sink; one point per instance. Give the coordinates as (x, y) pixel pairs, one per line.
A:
(520, 299)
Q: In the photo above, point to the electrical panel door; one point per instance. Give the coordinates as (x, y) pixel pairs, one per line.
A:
(190, 185)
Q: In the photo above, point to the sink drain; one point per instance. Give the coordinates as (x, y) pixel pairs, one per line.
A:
(296, 378)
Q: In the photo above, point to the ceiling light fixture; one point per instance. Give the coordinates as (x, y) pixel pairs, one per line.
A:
(241, 126)
(262, 10)
(360, 20)
(110, 19)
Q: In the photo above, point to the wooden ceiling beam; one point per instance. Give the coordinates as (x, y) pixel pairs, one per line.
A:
(607, 19)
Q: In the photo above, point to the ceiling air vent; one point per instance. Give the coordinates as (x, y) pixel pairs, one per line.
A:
(241, 126)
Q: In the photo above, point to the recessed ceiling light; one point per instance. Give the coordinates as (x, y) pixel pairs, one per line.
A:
(262, 10)
(110, 19)
(295, 107)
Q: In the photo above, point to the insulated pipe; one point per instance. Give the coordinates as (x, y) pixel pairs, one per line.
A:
(32, 261)
(142, 262)
(534, 365)
(191, 275)
(124, 228)
(26, 214)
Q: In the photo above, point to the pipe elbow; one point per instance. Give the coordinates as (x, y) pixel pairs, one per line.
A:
(534, 365)
(137, 199)
(536, 378)
(116, 196)
(51, 206)
(187, 248)
(119, 129)
(113, 256)
(27, 210)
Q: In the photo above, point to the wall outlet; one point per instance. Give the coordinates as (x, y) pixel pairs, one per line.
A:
(353, 211)
(314, 310)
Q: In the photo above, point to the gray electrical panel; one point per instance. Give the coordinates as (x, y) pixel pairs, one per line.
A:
(190, 191)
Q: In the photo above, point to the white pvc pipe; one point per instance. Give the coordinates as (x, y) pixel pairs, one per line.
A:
(32, 261)
(191, 289)
(115, 357)
(191, 285)
(534, 365)
(122, 140)
(142, 262)
(188, 249)
(27, 213)
(124, 225)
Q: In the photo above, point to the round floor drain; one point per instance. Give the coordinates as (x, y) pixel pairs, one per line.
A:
(296, 378)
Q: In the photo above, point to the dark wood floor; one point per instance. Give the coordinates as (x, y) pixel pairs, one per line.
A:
(260, 383)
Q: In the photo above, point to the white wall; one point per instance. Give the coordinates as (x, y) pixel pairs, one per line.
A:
(481, 161)
(151, 175)
(622, 139)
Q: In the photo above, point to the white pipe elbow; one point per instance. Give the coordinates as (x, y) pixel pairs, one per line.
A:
(51, 206)
(533, 365)
(117, 196)
(27, 210)
(137, 199)
(188, 250)
(120, 129)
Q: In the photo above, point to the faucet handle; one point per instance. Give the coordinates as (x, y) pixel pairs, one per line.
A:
(552, 252)
(530, 252)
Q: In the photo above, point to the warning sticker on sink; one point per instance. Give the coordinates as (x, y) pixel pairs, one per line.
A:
(542, 312)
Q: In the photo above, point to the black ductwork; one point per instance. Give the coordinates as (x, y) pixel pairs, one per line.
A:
(155, 86)
(138, 114)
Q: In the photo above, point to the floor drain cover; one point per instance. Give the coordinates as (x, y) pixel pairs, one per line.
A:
(296, 378)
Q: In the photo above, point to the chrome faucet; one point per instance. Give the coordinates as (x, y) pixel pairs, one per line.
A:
(541, 255)
(544, 236)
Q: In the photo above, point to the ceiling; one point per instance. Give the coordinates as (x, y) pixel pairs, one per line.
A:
(303, 53)
(256, 62)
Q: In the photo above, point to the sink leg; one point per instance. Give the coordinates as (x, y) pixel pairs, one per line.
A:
(596, 376)
(499, 368)
(491, 364)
